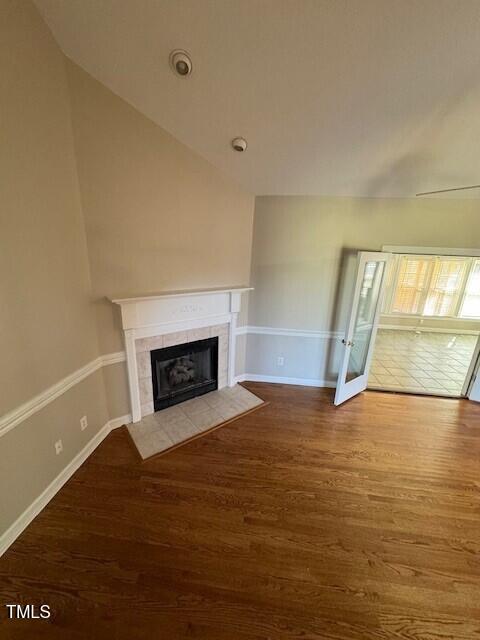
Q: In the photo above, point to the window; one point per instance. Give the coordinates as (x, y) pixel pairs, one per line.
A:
(445, 287)
(471, 300)
(410, 285)
(435, 286)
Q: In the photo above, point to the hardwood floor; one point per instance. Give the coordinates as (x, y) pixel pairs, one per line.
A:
(299, 520)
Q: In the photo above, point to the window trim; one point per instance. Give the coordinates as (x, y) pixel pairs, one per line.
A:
(432, 251)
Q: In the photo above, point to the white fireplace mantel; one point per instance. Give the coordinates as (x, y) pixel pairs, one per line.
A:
(172, 311)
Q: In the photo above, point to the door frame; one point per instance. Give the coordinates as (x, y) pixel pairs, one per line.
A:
(473, 372)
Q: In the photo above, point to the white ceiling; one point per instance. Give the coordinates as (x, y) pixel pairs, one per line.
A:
(335, 97)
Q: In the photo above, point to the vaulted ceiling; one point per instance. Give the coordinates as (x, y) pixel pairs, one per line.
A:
(335, 97)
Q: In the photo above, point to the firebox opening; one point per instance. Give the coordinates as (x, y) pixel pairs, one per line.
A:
(184, 371)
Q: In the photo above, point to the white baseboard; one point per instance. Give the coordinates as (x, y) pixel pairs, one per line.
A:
(120, 421)
(303, 382)
(425, 329)
(12, 533)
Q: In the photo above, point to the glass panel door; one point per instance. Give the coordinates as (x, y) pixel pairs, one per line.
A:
(362, 327)
(367, 306)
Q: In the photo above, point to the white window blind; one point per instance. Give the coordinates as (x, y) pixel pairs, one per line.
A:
(471, 301)
(435, 286)
(445, 286)
(411, 283)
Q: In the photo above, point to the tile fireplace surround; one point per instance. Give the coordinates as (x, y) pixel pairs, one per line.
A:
(171, 318)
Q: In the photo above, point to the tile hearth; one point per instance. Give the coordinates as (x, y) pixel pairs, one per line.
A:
(170, 427)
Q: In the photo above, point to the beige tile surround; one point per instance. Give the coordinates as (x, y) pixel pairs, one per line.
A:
(143, 347)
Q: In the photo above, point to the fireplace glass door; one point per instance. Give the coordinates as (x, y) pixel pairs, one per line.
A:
(184, 371)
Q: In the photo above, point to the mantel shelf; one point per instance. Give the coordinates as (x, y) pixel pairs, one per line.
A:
(178, 294)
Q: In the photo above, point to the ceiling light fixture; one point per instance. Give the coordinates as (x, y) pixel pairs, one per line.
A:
(181, 62)
(239, 144)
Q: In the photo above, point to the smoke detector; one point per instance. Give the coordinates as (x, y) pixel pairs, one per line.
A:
(239, 144)
(181, 63)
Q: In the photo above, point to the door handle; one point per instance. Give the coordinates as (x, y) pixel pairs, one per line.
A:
(348, 343)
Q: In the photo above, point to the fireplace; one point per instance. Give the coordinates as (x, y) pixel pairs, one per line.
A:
(184, 371)
(172, 318)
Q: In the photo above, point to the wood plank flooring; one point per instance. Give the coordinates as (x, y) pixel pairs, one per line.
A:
(298, 521)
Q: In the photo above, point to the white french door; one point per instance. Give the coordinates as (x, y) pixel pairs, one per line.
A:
(362, 324)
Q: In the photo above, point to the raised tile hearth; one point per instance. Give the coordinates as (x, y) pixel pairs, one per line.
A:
(170, 427)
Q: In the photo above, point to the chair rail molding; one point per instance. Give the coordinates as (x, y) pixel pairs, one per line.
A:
(16, 416)
(30, 407)
(293, 333)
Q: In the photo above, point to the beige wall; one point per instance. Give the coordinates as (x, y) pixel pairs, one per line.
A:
(28, 463)
(47, 318)
(158, 217)
(108, 206)
(116, 388)
(303, 262)
(46, 314)
(300, 243)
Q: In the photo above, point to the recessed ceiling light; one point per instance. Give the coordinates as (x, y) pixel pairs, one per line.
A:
(181, 62)
(239, 144)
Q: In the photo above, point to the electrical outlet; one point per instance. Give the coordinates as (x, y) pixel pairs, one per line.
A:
(280, 361)
(58, 447)
(83, 423)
